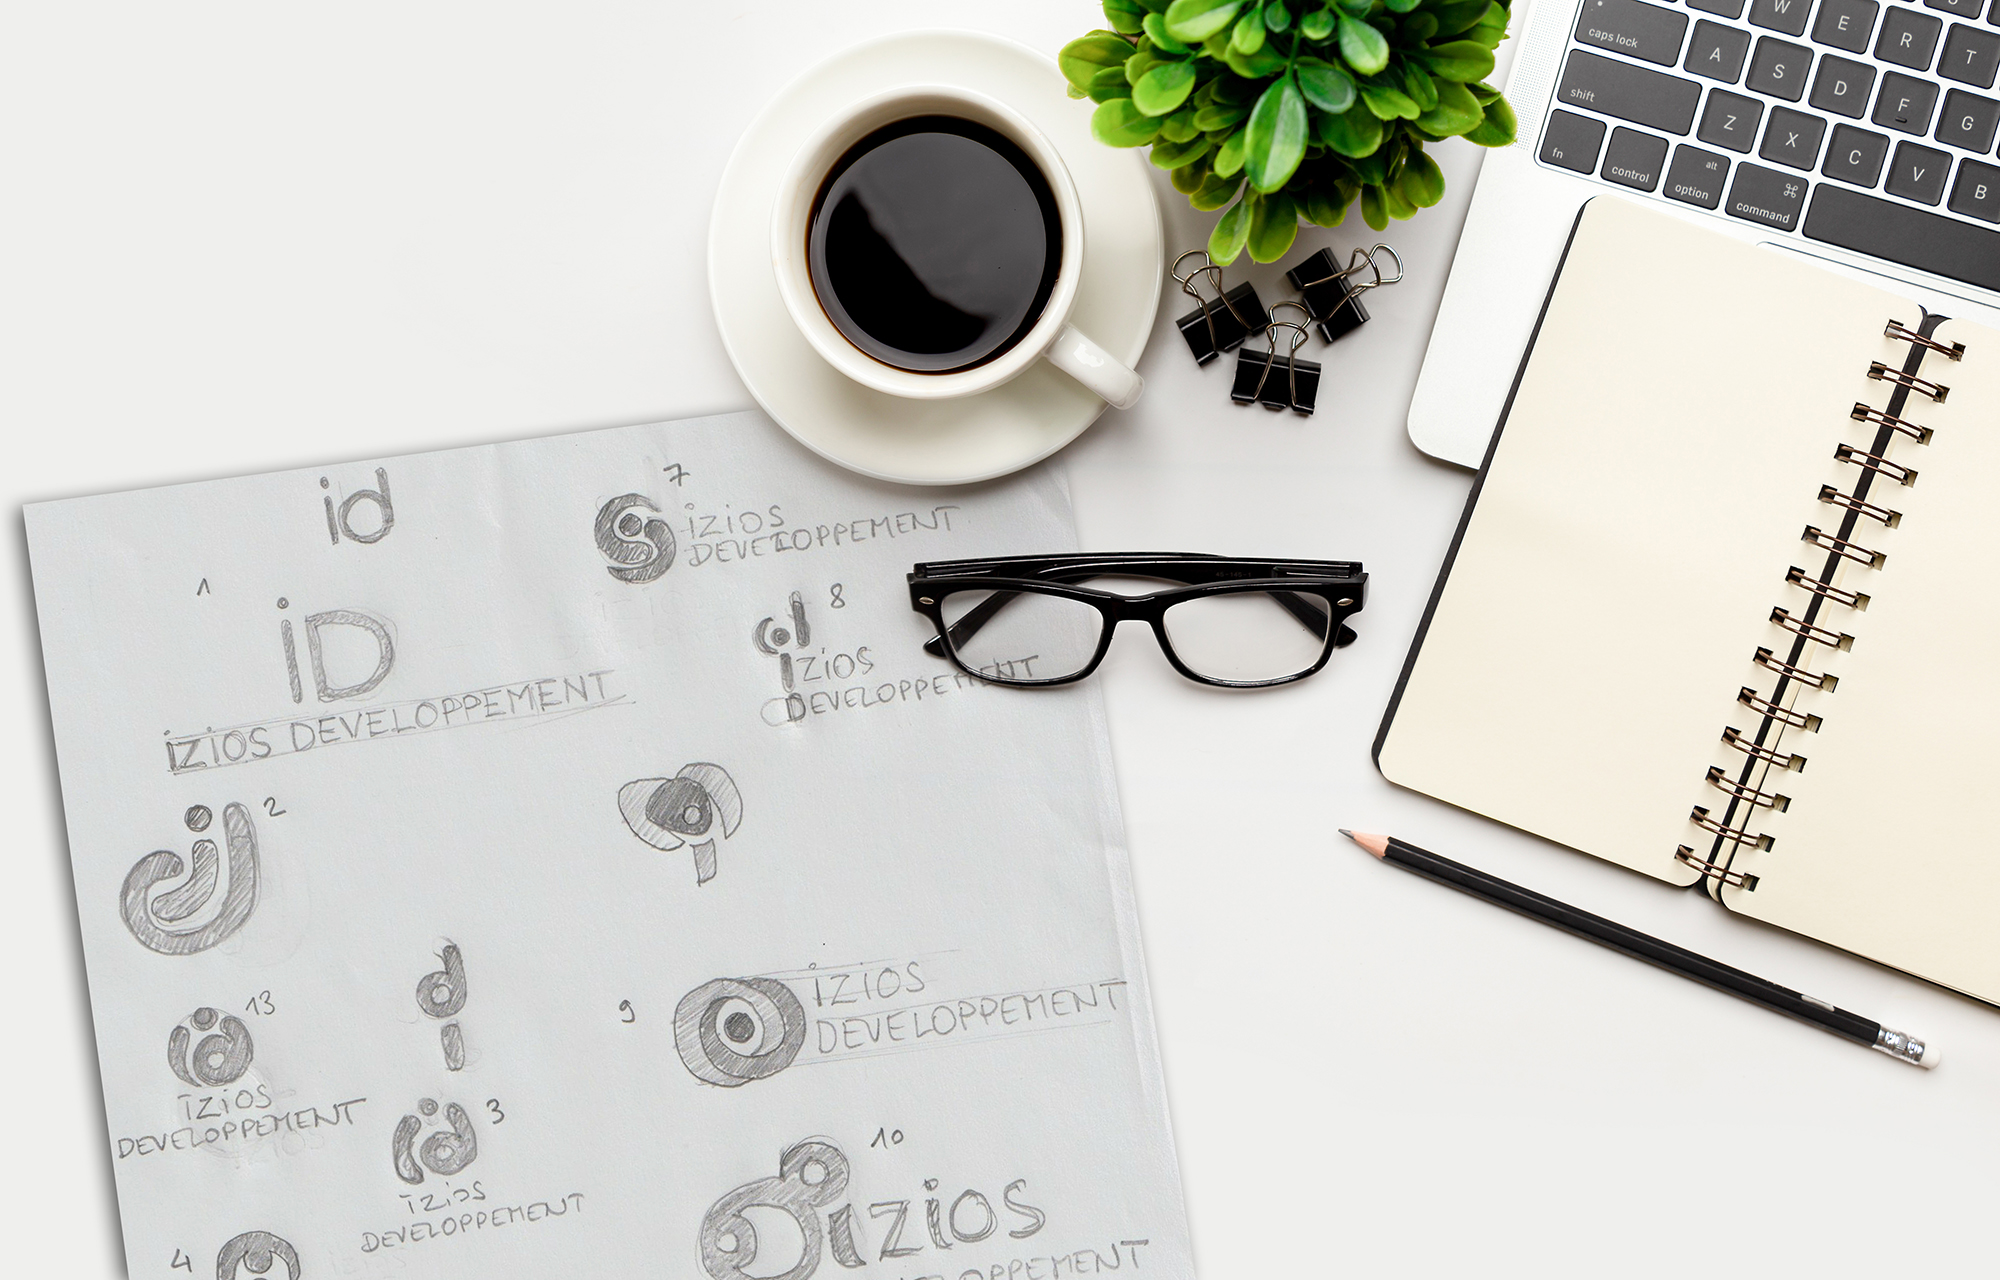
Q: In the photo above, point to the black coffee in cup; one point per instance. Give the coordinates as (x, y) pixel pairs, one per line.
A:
(934, 244)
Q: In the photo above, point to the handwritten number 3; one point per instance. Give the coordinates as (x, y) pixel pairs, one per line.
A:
(493, 1105)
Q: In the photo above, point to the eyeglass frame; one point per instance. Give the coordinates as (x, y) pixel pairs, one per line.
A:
(1340, 583)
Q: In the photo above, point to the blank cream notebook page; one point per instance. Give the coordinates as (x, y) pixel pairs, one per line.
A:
(1598, 622)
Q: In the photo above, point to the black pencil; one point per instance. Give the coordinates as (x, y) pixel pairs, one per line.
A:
(1641, 946)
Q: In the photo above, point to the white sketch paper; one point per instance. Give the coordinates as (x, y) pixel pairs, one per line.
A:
(560, 856)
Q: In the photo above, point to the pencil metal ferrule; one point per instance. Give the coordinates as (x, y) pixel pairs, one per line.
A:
(1901, 1046)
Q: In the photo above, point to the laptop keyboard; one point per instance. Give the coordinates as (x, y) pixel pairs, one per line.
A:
(1867, 124)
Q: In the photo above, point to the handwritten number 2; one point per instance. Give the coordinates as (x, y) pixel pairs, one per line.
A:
(493, 1105)
(271, 807)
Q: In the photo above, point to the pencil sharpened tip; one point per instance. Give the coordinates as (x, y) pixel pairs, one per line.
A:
(1344, 831)
(1377, 845)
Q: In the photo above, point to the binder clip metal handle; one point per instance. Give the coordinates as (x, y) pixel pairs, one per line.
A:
(1299, 389)
(1333, 294)
(1220, 323)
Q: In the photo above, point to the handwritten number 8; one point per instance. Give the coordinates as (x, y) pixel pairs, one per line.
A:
(838, 602)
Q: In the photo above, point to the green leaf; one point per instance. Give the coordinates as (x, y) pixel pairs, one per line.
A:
(1422, 182)
(1497, 129)
(1388, 103)
(1083, 58)
(1325, 85)
(1359, 8)
(1259, 66)
(1277, 137)
(1248, 37)
(1417, 28)
(1462, 15)
(1274, 225)
(1179, 127)
(1317, 25)
(1422, 90)
(1143, 59)
(1156, 31)
(1163, 88)
(1395, 206)
(1229, 156)
(1236, 91)
(1124, 16)
(1108, 84)
(1215, 192)
(1231, 232)
(1168, 154)
(1194, 20)
(1325, 208)
(1363, 46)
(1154, 6)
(1482, 92)
(1188, 178)
(1401, 6)
(1220, 115)
(1457, 111)
(1276, 16)
(1372, 212)
(1118, 123)
(1355, 132)
(1461, 60)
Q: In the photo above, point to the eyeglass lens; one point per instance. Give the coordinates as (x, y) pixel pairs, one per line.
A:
(1248, 635)
(1022, 635)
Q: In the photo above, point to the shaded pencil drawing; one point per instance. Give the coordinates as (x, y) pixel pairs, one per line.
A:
(254, 1252)
(811, 1175)
(445, 1152)
(220, 1057)
(640, 549)
(735, 1030)
(178, 922)
(668, 813)
(441, 994)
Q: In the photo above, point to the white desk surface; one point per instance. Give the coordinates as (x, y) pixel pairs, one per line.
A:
(238, 237)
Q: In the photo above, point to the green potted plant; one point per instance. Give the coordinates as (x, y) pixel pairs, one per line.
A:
(1294, 108)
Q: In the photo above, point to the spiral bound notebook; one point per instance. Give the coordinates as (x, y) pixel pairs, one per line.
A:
(1721, 606)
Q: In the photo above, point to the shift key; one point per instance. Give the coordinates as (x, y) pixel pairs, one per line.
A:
(1613, 88)
(1637, 30)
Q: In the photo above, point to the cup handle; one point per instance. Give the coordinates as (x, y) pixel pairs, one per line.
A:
(1093, 366)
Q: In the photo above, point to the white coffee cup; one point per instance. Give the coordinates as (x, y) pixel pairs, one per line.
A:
(1052, 337)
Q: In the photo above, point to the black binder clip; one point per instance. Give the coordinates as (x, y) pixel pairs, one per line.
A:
(1296, 384)
(1216, 324)
(1333, 296)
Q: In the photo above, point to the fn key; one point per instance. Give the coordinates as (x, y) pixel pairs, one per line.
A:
(1571, 141)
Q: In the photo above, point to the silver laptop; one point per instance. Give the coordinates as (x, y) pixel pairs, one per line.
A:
(1859, 132)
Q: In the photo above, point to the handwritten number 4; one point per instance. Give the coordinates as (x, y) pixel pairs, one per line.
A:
(182, 1262)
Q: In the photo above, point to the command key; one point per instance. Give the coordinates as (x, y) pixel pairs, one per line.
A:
(1767, 197)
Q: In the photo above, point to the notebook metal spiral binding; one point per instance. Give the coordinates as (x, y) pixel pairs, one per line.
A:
(1747, 788)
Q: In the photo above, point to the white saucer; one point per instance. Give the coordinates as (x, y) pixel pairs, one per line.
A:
(931, 441)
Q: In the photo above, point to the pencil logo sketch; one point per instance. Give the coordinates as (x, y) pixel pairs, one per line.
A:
(207, 899)
(670, 813)
(220, 1057)
(374, 634)
(340, 520)
(441, 994)
(445, 1152)
(735, 1030)
(774, 639)
(639, 548)
(810, 1175)
(254, 1252)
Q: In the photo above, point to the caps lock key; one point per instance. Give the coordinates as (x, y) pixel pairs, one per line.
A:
(1636, 30)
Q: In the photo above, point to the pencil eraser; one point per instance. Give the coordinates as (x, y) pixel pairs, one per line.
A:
(1930, 1056)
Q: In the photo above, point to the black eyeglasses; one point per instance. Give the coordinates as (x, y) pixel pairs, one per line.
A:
(1022, 620)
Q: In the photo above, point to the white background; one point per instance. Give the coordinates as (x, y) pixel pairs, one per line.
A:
(236, 237)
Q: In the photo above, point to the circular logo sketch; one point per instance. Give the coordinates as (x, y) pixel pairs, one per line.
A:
(253, 1253)
(445, 1152)
(810, 1175)
(220, 1056)
(640, 548)
(672, 813)
(735, 1030)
